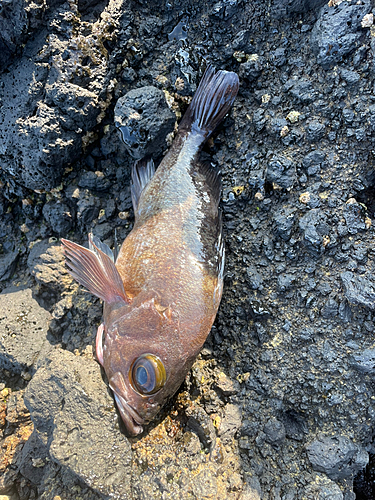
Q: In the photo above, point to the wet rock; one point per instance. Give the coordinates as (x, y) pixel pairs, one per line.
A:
(69, 389)
(61, 83)
(252, 68)
(282, 8)
(88, 207)
(301, 89)
(274, 431)
(313, 161)
(96, 181)
(358, 290)
(315, 130)
(314, 227)
(145, 120)
(337, 456)
(323, 489)
(23, 331)
(281, 171)
(284, 222)
(330, 308)
(338, 32)
(46, 262)
(364, 361)
(230, 423)
(201, 424)
(354, 215)
(59, 216)
(227, 386)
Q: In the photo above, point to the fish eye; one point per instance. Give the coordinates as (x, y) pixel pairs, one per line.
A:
(147, 374)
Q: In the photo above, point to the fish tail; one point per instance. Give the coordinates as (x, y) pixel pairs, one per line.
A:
(211, 102)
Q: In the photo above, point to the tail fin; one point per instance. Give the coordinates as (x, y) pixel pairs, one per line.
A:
(211, 102)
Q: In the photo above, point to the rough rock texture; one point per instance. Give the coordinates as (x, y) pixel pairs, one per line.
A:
(279, 404)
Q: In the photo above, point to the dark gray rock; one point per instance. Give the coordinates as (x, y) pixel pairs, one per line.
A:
(69, 389)
(230, 423)
(284, 222)
(338, 32)
(322, 488)
(254, 278)
(251, 69)
(350, 77)
(314, 226)
(282, 171)
(358, 290)
(59, 216)
(282, 8)
(354, 215)
(274, 431)
(23, 331)
(315, 130)
(96, 181)
(145, 120)
(61, 81)
(301, 89)
(337, 456)
(330, 308)
(364, 361)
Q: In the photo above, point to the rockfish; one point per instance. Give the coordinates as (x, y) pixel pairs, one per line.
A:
(162, 294)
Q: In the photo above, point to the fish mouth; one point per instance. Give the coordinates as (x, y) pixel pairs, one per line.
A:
(133, 422)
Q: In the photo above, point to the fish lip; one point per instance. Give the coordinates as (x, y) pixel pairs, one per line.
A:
(129, 415)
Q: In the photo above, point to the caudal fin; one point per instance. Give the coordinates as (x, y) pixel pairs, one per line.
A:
(211, 102)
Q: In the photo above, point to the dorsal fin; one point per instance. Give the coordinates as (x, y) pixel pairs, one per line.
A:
(142, 172)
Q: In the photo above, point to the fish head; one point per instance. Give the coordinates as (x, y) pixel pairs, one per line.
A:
(143, 358)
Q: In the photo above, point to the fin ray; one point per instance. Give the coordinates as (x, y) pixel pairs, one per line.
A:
(95, 270)
(211, 102)
(142, 172)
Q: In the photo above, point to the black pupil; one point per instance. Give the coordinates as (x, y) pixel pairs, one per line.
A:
(142, 376)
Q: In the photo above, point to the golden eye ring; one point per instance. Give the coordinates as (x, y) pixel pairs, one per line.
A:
(147, 374)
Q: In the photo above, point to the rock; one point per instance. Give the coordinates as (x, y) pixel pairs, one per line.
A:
(68, 389)
(337, 456)
(145, 120)
(23, 331)
(274, 431)
(301, 89)
(252, 68)
(201, 424)
(230, 423)
(313, 162)
(314, 227)
(315, 130)
(96, 181)
(338, 32)
(284, 221)
(350, 77)
(62, 82)
(323, 489)
(281, 171)
(354, 215)
(46, 262)
(364, 361)
(59, 216)
(330, 308)
(227, 386)
(358, 290)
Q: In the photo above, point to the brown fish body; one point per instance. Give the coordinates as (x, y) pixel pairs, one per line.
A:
(170, 266)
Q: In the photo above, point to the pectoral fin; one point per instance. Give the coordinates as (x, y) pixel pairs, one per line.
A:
(95, 270)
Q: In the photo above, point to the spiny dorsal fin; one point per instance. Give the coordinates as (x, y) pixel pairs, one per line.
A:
(142, 172)
(94, 270)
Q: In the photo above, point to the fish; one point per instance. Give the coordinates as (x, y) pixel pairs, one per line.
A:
(162, 292)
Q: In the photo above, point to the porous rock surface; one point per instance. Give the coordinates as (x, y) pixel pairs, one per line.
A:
(280, 402)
